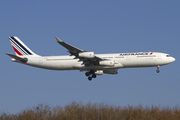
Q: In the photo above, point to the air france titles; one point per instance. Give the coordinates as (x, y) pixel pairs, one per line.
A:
(132, 54)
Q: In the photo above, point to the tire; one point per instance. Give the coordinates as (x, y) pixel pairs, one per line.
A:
(87, 73)
(94, 75)
(89, 78)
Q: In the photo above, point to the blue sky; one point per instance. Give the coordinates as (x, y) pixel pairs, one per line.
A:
(99, 26)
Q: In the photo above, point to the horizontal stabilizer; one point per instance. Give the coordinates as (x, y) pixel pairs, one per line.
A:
(24, 60)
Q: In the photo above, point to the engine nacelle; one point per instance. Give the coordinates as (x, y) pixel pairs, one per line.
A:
(114, 71)
(99, 72)
(107, 63)
(86, 54)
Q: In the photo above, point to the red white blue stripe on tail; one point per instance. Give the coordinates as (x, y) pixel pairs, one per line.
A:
(19, 47)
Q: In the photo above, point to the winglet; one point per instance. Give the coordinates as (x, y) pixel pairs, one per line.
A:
(58, 40)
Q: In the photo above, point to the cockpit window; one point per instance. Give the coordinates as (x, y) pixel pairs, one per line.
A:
(168, 56)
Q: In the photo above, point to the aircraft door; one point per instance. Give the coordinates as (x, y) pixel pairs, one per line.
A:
(42, 60)
(158, 59)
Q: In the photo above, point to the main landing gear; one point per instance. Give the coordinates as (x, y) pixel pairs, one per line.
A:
(90, 74)
(158, 69)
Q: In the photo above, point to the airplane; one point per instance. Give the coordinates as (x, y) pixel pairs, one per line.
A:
(93, 64)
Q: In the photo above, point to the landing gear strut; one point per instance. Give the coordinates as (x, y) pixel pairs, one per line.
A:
(158, 69)
(90, 74)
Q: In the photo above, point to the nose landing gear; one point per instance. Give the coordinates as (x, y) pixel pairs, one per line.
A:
(158, 69)
(91, 74)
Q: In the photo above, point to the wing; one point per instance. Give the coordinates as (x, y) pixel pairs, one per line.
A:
(88, 58)
(71, 49)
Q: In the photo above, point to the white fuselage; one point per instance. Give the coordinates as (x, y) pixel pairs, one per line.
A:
(94, 64)
(120, 60)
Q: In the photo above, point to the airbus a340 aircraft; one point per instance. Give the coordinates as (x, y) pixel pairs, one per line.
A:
(93, 64)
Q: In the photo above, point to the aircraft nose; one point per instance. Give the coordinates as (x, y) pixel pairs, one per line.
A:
(173, 59)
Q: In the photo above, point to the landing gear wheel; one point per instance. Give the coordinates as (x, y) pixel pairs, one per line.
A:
(89, 78)
(90, 74)
(157, 71)
(87, 73)
(94, 75)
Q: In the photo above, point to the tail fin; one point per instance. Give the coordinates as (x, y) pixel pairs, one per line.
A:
(20, 48)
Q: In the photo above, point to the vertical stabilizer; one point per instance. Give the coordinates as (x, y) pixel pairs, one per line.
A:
(20, 48)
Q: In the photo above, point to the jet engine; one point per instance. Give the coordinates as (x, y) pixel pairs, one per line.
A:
(107, 63)
(86, 54)
(99, 72)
